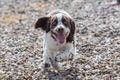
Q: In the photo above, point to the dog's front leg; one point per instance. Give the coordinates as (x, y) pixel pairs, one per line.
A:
(46, 59)
(49, 59)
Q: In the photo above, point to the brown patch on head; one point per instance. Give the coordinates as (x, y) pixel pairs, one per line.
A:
(68, 22)
(53, 22)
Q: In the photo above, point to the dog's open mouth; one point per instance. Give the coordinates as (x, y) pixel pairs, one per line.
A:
(61, 37)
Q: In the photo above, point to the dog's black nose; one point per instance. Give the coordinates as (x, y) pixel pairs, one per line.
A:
(60, 30)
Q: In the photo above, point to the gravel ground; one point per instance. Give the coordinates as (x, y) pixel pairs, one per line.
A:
(98, 40)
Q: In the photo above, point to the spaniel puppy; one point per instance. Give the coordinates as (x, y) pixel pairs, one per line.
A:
(59, 37)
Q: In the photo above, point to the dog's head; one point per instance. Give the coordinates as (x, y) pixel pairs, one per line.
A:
(61, 27)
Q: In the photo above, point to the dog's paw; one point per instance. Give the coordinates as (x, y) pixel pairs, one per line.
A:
(59, 58)
(64, 57)
(44, 65)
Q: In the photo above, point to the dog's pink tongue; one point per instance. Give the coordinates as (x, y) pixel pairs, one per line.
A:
(61, 38)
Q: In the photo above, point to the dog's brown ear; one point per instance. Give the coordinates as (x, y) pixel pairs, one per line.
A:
(72, 31)
(42, 23)
(73, 27)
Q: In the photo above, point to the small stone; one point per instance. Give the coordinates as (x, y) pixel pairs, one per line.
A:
(87, 67)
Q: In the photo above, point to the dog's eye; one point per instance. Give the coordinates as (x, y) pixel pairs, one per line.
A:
(54, 24)
(65, 22)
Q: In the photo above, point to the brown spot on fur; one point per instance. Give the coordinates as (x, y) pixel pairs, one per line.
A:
(52, 19)
(53, 37)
